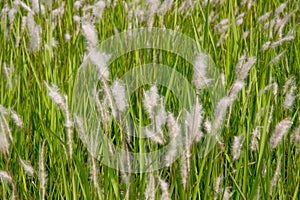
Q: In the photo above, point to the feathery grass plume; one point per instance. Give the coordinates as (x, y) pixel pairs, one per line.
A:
(94, 143)
(5, 176)
(98, 9)
(164, 186)
(3, 110)
(150, 189)
(23, 5)
(109, 99)
(151, 8)
(94, 174)
(80, 128)
(281, 128)
(295, 137)
(154, 135)
(4, 143)
(220, 113)
(266, 46)
(282, 40)
(119, 94)
(276, 58)
(237, 146)
(193, 121)
(243, 71)
(53, 42)
(184, 170)
(160, 116)
(185, 164)
(68, 125)
(287, 84)
(126, 176)
(245, 34)
(35, 5)
(241, 62)
(100, 59)
(236, 87)
(164, 7)
(223, 79)
(290, 97)
(125, 165)
(11, 17)
(269, 25)
(265, 89)
(254, 139)
(67, 36)
(282, 22)
(150, 100)
(186, 6)
(76, 19)
(200, 79)
(78, 4)
(8, 72)
(4, 12)
(275, 91)
(222, 26)
(27, 167)
(239, 19)
(264, 17)
(90, 34)
(42, 171)
(54, 94)
(16, 118)
(101, 108)
(5, 128)
(58, 12)
(276, 175)
(270, 119)
(226, 193)
(223, 36)
(280, 8)
(174, 131)
(34, 33)
(217, 187)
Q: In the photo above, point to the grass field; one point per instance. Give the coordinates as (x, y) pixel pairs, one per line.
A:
(255, 123)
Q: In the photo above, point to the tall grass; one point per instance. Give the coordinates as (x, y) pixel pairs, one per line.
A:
(255, 44)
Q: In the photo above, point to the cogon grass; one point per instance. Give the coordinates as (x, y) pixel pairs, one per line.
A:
(241, 42)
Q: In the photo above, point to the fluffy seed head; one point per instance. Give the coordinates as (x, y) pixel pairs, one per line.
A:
(98, 9)
(150, 189)
(119, 94)
(281, 128)
(54, 94)
(237, 146)
(290, 97)
(277, 58)
(264, 17)
(150, 100)
(5, 176)
(90, 33)
(276, 175)
(200, 78)
(27, 167)
(100, 59)
(16, 118)
(164, 189)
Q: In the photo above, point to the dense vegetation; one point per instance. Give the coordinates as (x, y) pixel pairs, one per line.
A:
(255, 48)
